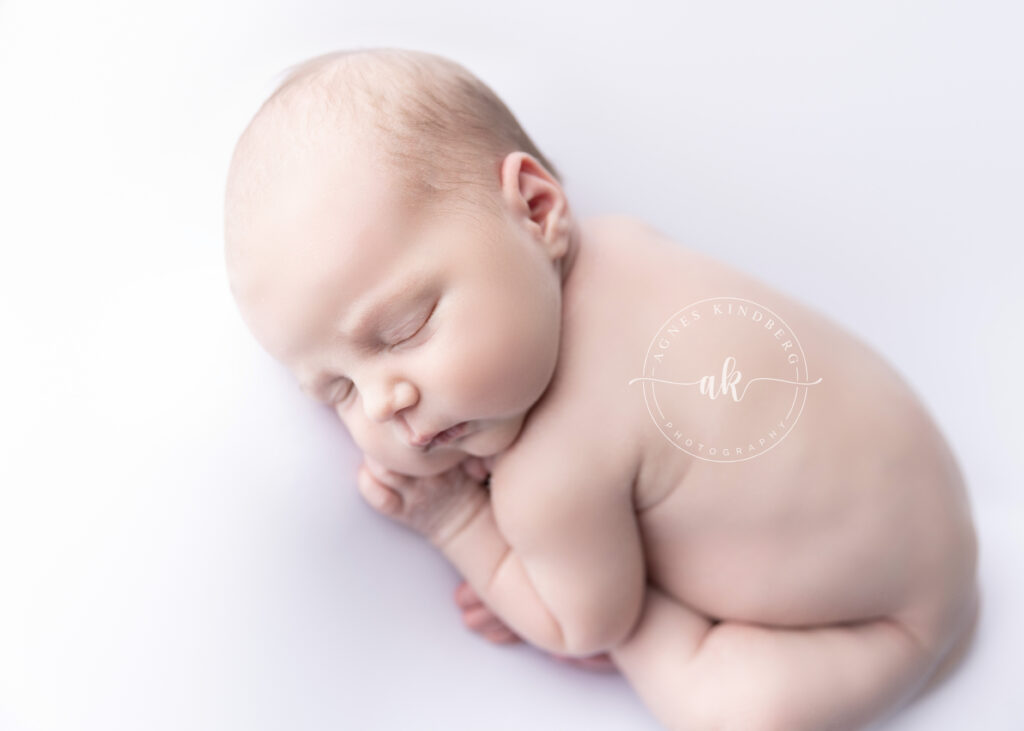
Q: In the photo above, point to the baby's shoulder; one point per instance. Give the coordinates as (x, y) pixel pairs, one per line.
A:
(617, 222)
(644, 266)
(618, 232)
(632, 257)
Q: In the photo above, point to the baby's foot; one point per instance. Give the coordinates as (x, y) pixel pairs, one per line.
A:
(479, 618)
(482, 620)
(602, 663)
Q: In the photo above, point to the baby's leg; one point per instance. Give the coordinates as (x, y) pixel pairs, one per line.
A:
(696, 676)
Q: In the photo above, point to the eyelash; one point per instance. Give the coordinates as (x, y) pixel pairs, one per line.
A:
(419, 329)
(430, 315)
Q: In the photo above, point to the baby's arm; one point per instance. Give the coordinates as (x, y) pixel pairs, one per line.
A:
(570, 582)
(496, 573)
(453, 511)
(573, 534)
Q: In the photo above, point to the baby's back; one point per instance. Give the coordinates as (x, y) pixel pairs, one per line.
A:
(764, 501)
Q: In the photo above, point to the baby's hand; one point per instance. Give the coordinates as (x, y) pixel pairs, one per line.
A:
(436, 507)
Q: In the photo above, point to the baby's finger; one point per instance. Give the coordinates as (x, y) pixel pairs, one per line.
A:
(388, 477)
(474, 467)
(379, 496)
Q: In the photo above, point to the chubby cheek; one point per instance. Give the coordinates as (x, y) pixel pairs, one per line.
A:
(369, 437)
(508, 362)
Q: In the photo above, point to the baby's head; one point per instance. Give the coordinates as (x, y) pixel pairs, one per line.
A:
(396, 240)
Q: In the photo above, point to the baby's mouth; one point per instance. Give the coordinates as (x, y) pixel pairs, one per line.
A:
(448, 435)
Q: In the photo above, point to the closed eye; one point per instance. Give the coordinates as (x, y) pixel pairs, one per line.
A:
(419, 329)
(343, 394)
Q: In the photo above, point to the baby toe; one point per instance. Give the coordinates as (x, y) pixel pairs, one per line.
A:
(503, 636)
(465, 597)
(480, 618)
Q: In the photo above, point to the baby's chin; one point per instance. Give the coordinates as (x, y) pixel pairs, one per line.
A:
(426, 465)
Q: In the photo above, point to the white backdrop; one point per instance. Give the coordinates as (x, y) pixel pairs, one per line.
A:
(181, 542)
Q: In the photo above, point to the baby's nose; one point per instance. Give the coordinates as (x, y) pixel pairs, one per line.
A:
(393, 397)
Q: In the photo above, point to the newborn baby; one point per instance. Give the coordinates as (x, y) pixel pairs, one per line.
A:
(630, 451)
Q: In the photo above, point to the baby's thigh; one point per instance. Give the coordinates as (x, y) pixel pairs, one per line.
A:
(696, 675)
(951, 638)
(748, 676)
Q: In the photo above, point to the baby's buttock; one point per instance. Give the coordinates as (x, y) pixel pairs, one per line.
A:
(717, 547)
(858, 511)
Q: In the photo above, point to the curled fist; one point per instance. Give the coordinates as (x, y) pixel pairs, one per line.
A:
(436, 507)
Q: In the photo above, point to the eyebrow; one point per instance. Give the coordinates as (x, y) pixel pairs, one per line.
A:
(396, 300)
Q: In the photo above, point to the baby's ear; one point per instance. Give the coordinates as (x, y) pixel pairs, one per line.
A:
(533, 193)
